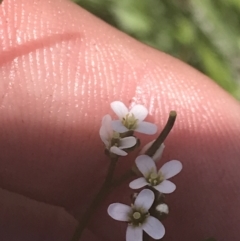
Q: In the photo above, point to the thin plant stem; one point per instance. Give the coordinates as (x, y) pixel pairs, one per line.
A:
(163, 135)
(96, 201)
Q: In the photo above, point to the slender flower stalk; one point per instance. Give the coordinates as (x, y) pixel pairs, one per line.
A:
(96, 201)
(161, 138)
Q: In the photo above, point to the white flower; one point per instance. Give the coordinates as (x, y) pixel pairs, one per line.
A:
(112, 140)
(132, 119)
(138, 217)
(158, 154)
(154, 178)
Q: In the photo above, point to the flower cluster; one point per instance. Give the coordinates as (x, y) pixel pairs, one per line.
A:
(141, 216)
(112, 139)
(147, 206)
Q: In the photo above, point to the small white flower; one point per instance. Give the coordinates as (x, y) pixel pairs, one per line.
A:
(112, 140)
(138, 217)
(158, 154)
(154, 178)
(132, 119)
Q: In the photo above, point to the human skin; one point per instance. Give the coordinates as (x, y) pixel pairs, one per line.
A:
(60, 67)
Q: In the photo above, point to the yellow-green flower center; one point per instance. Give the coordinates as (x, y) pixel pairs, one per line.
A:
(115, 141)
(154, 178)
(138, 216)
(130, 122)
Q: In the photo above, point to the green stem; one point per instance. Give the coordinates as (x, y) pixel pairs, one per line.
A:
(96, 201)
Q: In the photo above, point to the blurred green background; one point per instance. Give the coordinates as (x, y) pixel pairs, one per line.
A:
(202, 33)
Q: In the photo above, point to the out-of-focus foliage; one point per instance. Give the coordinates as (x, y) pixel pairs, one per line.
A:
(205, 34)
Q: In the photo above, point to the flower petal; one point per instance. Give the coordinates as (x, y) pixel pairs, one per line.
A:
(106, 131)
(158, 154)
(144, 199)
(119, 211)
(140, 112)
(165, 187)
(104, 136)
(134, 233)
(146, 128)
(106, 122)
(154, 228)
(138, 183)
(118, 126)
(145, 164)
(116, 150)
(119, 109)
(127, 142)
(171, 168)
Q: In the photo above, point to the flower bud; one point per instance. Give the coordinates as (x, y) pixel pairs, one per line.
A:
(162, 208)
(158, 154)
